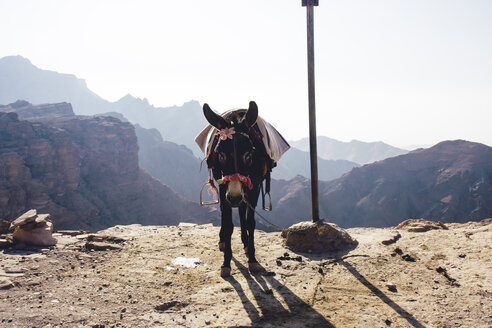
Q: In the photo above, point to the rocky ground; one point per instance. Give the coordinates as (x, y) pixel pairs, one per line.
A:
(150, 276)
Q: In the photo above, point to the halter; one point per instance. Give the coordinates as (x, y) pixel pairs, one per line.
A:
(228, 133)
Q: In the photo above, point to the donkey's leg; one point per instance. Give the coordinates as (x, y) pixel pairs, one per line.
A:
(253, 264)
(226, 233)
(224, 209)
(251, 224)
(244, 228)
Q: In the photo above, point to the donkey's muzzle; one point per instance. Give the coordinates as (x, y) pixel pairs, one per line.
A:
(234, 200)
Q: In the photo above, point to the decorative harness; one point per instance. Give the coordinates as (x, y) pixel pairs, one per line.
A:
(222, 135)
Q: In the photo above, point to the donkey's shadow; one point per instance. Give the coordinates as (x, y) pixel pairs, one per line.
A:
(270, 310)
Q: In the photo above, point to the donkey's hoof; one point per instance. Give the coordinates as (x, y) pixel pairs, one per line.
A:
(225, 272)
(221, 247)
(255, 267)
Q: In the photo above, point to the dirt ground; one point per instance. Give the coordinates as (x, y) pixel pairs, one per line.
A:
(169, 277)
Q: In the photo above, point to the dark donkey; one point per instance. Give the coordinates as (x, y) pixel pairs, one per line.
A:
(239, 164)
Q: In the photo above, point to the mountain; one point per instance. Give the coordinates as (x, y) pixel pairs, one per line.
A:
(449, 182)
(172, 164)
(355, 151)
(297, 162)
(82, 170)
(177, 124)
(20, 79)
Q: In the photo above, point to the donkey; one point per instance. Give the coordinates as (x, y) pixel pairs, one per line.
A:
(239, 164)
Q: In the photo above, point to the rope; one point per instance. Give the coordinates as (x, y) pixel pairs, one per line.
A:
(263, 218)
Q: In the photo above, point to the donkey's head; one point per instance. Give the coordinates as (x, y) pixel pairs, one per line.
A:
(234, 154)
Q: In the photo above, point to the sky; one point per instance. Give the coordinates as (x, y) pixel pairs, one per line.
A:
(406, 73)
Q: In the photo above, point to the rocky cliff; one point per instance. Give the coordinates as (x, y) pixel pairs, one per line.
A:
(84, 172)
(450, 182)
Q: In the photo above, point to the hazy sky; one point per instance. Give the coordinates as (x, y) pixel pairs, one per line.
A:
(403, 72)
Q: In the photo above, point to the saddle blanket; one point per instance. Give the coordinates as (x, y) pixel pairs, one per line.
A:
(275, 144)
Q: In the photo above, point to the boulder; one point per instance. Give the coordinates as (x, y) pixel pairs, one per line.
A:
(41, 236)
(317, 237)
(420, 225)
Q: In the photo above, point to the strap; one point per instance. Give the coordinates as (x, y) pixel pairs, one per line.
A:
(266, 192)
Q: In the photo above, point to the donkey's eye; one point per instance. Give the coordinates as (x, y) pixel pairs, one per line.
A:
(248, 158)
(222, 158)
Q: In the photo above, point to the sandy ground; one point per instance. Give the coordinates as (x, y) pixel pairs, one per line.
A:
(169, 277)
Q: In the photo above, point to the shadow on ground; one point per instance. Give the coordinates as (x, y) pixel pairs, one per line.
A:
(271, 310)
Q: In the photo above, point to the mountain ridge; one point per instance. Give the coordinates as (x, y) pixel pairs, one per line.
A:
(449, 181)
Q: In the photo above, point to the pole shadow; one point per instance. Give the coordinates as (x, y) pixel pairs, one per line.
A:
(270, 310)
(398, 309)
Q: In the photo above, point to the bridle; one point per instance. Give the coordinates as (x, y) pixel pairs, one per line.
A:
(236, 176)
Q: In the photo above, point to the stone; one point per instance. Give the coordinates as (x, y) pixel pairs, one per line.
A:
(391, 287)
(187, 225)
(99, 246)
(392, 240)
(420, 225)
(105, 238)
(4, 243)
(317, 237)
(5, 283)
(72, 233)
(39, 221)
(42, 236)
(25, 218)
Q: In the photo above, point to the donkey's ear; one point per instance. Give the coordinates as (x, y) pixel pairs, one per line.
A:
(251, 115)
(213, 118)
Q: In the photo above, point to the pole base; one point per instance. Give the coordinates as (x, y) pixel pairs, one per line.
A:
(317, 237)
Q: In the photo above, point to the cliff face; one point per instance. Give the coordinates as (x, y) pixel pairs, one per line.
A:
(84, 171)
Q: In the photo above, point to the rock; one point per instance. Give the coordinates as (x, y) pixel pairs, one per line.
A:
(317, 237)
(25, 218)
(187, 225)
(420, 225)
(36, 237)
(104, 238)
(392, 240)
(4, 243)
(4, 226)
(5, 283)
(84, 170)
(27, 111)
(168, 305)
(40, 221)
(72, 233)
(391, 287)
(99, 246)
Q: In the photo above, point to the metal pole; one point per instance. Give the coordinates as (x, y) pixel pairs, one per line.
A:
(312, 108)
